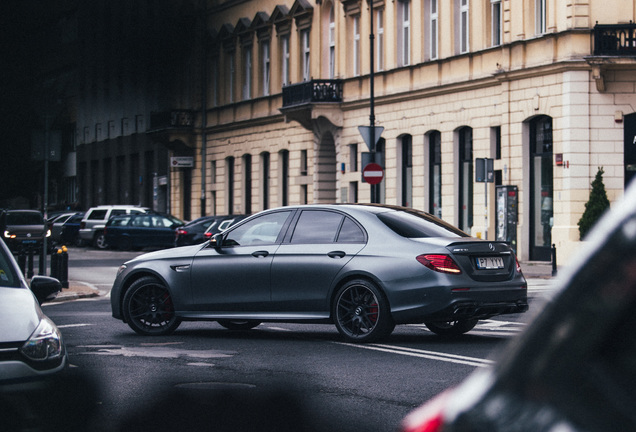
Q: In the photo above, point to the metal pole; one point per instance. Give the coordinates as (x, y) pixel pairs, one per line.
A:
(46, 194)
(204, 106)
(486, 201)
(374, 188)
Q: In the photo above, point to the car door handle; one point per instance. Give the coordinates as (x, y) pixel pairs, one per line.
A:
(260, 254)
(336, 254)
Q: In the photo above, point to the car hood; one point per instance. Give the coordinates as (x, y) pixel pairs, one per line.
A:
(20, 314)
(178, 252)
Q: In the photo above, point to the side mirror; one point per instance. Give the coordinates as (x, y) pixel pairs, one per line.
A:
(45, 288)
(217, 240)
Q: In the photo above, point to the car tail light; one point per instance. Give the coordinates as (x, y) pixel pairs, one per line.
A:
(439, 263)
(207, 235)
(82, 225)
(427, 418)
(518, 265)
(181, 231)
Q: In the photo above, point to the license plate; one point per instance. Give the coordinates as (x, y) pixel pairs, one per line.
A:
(29, 241)
(490, 263)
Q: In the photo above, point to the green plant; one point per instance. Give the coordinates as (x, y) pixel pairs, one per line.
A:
(595, 206)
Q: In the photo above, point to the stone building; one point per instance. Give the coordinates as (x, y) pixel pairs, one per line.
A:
(544, 88)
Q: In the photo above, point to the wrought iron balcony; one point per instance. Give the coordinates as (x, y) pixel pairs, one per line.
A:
(615, 40)
(175, 119)
(312, 92)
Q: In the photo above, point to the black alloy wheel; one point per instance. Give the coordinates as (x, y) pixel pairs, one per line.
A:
(239, 324)
(148, 308)
(361, 312)
(452, 328)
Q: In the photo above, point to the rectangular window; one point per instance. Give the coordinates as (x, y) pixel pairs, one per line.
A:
(247, 72)
(332, 44)
(404, 34)
(463, 27)
(495, 22)
(231, 75)
(353, 157)
(540, 17)
(215, 82)
(285, 59)
(303, 162)
(356, 45)
(266, 68)
(380, 39)
(433, 38)
(305, 54)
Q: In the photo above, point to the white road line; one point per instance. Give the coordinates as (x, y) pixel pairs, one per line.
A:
(431, 355)
(73, 325)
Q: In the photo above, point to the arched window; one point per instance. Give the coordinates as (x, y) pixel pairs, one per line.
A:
(541, 187)
(407, 170)
(247, 183)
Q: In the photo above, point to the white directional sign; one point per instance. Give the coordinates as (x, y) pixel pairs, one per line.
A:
(365, 131)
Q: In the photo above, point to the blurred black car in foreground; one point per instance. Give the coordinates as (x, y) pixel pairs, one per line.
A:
(23, 229)
(574, 368)
(364, 268)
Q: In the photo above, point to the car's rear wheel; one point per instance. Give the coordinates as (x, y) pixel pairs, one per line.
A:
(148, 308)
(361, 312)
(452, 328)
(239, 324)
(99, 241)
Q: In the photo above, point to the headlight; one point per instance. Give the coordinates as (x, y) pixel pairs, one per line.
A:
(45, 343)
(8, 234)
(121, 269)
(48, 233)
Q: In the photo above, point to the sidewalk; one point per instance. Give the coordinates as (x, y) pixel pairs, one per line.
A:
(537, 273)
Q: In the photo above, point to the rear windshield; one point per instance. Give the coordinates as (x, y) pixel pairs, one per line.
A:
(414, 224)
(24, 218)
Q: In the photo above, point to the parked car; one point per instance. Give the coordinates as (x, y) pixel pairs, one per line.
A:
(224, 223)
(574, 368)
(31, 345)
(193, 231)
(57, 224)
(92, 226)
(23, 229)
(137, 231)
(364, 268)
(70, 230)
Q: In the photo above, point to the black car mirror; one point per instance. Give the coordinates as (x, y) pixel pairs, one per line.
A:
(217, 240)
(45, 288)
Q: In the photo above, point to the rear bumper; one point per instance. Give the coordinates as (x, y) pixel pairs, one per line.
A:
(443, 304)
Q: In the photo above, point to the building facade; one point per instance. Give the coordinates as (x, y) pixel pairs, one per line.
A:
(544, 88)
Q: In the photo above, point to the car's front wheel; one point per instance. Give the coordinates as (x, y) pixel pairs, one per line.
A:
(452, 328)
(361, 312)
(148, 308)
(239, 324)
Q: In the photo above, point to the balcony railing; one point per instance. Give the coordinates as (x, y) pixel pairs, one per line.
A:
(311, 92)
(615, 40)
(181, 119)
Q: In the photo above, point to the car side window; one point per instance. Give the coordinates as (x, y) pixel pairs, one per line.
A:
(97, 215)
(141, 221)
(316, 226)
(351, 232)
(261, 230)
(116, 212)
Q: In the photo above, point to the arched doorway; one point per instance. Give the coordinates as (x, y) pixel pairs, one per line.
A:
(541, 188)
(325, 190)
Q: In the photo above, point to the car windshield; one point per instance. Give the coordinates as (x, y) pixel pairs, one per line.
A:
(24, 218)
(414, 224)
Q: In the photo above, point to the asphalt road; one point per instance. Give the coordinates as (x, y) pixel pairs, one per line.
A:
(275, 377)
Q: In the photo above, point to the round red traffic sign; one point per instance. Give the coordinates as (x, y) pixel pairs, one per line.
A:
(373, 173)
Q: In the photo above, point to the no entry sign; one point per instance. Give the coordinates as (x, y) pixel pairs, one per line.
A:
(373, 173)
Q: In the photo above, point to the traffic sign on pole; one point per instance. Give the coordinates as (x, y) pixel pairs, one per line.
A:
(365, 131)
(372, 173)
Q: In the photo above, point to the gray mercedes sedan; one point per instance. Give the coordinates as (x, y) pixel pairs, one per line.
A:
(363, 267)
